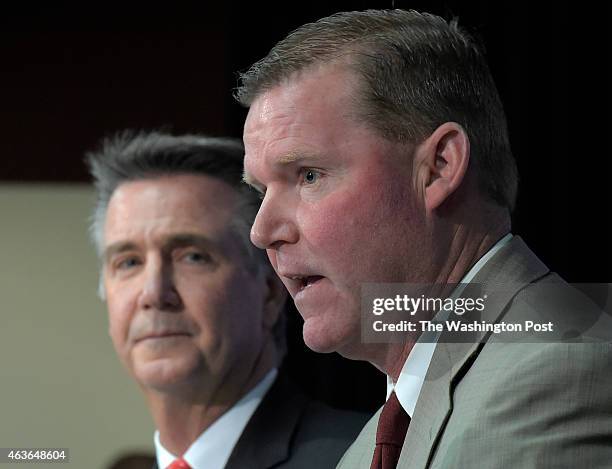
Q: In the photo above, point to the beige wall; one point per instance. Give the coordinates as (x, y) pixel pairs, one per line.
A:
(62, 385)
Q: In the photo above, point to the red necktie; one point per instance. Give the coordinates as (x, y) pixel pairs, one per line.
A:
(390, 433)
(179, 463)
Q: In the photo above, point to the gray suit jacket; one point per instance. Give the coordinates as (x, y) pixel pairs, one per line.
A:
(291, 431)
(490, 403)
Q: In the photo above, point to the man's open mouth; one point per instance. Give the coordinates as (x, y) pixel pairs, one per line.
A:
(306, 281)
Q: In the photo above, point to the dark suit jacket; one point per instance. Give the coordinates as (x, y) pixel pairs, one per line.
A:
(494, 403)
(291, 431)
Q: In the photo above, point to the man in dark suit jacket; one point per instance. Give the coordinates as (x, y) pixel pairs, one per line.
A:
(379, 144)
(196, 312)
(291, 430)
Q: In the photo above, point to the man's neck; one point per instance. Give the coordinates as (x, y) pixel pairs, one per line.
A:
(465, 250)
(180, 423)
(466, 246)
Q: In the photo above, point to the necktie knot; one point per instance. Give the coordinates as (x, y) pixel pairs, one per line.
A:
(392, 423)
(179, 463)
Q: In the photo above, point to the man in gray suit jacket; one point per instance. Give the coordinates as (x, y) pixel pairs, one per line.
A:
(529, 400)
(379, 144)
(196, 312)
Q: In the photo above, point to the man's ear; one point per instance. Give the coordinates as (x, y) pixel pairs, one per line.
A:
(276, 296)
(441, 163)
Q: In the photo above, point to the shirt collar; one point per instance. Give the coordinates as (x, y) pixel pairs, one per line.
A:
(412, 376)
(213, 447)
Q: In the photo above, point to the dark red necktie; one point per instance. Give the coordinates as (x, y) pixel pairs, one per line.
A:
(390, 433)
(179, 463)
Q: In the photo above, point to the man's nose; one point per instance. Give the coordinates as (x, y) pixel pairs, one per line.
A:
(159, 290)
(274, 224)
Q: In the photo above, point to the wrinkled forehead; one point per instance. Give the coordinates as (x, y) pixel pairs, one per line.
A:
(163, 191)
(194, 202)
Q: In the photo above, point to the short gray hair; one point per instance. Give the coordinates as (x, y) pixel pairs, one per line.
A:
(417, 71)
(130, 156)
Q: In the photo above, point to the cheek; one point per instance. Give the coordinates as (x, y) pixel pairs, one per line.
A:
(121, 304)
(248, 317)
(119, 318)
(245, 298)
(220, 306)
(344, 223)
(362, 235)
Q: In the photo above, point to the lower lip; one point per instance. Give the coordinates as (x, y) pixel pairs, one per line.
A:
(313, 292)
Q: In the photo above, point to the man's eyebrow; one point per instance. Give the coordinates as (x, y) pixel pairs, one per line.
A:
(187, 239)
(173, 241)
(294, 157)
(117, 248)
(290, 158)
(283, 160)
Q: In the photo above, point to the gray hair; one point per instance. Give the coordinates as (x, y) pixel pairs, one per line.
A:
(130, 156)
(417, 71)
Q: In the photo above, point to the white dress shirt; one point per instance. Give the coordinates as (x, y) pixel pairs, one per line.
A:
(213, 447)
(412, 376)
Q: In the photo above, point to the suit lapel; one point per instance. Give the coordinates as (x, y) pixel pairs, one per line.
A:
(511, 268)
(265, 441)
(431, 412)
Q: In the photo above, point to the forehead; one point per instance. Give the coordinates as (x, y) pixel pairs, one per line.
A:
(315, 88)
(311, 106)
(168, 204)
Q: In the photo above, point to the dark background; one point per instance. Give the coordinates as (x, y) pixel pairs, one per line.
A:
(71, 76)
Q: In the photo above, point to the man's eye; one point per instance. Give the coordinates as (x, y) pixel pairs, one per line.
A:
(127, 263)
(311, 176)
(197, 257)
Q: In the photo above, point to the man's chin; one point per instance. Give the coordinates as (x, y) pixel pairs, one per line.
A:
(162, 374)
(320, 339)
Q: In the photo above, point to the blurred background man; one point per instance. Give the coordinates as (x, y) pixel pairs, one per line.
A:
(195, 311)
